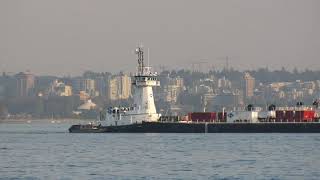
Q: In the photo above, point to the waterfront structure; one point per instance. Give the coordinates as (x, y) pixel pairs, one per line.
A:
(25, 84)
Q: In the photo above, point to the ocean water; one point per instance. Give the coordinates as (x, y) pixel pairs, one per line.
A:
(47, 151)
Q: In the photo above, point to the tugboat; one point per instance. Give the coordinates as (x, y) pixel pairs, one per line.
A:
(143, 109)
(87, 128)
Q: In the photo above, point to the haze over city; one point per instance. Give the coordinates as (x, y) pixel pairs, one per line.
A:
(69, 37)
(233, 92)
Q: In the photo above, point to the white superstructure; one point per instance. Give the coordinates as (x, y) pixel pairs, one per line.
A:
(143, 108)
(250, 115)
(242, 117)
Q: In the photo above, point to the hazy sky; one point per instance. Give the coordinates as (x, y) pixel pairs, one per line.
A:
(67, 37)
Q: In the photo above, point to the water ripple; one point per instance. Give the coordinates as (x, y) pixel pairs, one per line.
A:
(48, 152)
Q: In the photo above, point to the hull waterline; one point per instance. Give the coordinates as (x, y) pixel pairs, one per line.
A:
(156, 127)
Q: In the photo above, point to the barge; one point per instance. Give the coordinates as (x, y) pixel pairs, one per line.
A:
(167, 127)
(142, 117)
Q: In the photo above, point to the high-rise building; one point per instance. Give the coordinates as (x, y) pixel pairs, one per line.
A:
(25, 84)
(171, 89)
(248, 85)
(101, 85)
(76, 85)
(113, 89)
(178, 81)
(125, 84)
(119, 87)
(89, 86)
(170, 93)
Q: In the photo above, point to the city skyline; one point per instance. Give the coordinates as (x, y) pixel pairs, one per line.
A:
(68, 38)
(25, 94)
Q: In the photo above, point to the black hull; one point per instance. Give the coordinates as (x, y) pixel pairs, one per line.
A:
(87, 129)
(156, 127)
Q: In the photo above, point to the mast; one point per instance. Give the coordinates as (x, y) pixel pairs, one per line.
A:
(139, 52)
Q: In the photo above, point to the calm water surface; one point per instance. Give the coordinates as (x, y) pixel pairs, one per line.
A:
(48, 151)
